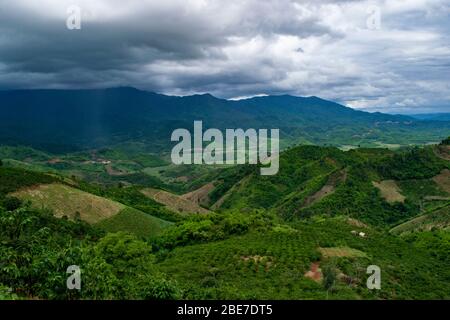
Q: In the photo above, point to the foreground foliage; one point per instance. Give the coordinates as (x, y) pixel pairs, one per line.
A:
(268, 234)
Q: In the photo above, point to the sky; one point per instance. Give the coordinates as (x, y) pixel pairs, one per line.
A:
(387, 55)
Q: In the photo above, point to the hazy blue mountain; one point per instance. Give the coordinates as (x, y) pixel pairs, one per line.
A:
(432, 116)
(59, 120)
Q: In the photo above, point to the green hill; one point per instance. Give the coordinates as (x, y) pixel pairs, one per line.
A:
(271, 263)
(134, 221)
(309, 232)
(437, 219)
(69, 202)
(72, 203)
(317, 180)
(73, 120)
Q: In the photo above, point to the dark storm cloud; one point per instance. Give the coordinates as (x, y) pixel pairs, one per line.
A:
(234, 48)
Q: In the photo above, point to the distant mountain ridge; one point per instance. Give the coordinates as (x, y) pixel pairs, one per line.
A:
(62, 120)
(441, 116)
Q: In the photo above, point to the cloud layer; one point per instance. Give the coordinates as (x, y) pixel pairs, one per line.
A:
(332, 49)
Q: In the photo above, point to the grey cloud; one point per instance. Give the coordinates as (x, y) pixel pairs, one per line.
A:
(234, 48)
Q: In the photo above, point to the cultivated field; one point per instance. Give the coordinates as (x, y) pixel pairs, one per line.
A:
(70, 202)
(389, 191)
(174, 202)
(341, 252)
(200, 196)
(443, 180)
(438, 219)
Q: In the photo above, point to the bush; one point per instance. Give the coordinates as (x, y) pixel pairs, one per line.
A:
(11, 203)
(162, 289)
(116, 266)
(6, 294)
(213, 227)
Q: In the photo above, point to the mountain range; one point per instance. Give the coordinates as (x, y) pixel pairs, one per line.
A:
(71, 120)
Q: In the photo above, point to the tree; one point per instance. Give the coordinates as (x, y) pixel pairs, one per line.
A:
(1, 162)
(446, 142)
(11, 203)
(329, 278)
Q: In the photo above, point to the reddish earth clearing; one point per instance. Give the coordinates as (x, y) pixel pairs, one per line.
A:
(315, 273)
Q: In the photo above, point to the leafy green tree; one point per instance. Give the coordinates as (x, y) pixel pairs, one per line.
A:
(11, 203)
(6, 294)
(134, 274)
(329, 277)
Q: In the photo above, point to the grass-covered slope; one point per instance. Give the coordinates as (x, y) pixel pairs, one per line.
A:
(47, 191)
(112, 216)
(134, 221)
(69, 202)
(174, 202)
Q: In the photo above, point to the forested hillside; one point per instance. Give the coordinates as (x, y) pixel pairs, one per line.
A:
(307, 233)
(60, 121)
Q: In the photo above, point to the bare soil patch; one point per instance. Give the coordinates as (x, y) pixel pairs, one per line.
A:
(327, 189)
(442, 152)
(54, 161)
(199, 196)
(314, 273)
(443, 180)
(389, 191)
(174, 202)
(356, 223)
(113, 172)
